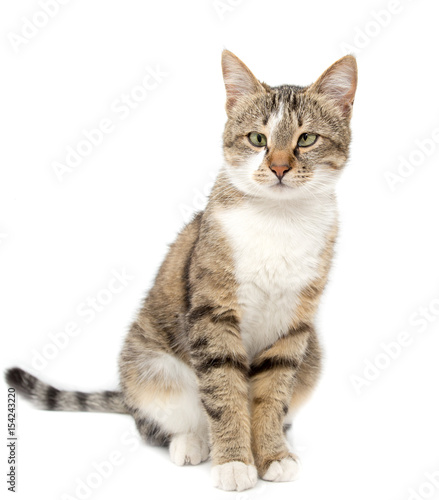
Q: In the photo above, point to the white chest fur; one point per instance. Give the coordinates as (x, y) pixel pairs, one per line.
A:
(276, 253)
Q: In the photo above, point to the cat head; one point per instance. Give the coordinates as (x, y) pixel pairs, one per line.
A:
(281, 142)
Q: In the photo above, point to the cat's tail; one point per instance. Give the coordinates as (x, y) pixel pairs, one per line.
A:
(48, 397)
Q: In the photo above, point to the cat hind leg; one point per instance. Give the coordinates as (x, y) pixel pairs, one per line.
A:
(162, 392)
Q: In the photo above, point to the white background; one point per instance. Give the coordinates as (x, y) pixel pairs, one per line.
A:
(124, 204)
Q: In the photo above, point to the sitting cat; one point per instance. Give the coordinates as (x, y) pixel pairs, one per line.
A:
(224, 349)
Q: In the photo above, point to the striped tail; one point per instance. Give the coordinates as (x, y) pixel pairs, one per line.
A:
(47, 397)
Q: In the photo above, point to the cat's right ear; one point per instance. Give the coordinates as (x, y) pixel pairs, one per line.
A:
(238, 79)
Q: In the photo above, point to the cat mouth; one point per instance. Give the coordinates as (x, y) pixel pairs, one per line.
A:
(294, 183)
(280, 185)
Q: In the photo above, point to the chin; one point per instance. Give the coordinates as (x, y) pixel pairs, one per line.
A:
(279, 191)
(283, 191)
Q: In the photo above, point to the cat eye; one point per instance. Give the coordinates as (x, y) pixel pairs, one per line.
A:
(257, 139)
(306, 140)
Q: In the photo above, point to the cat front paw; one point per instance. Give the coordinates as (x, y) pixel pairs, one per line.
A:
(285, 469)
(188, 449)
(234, 476)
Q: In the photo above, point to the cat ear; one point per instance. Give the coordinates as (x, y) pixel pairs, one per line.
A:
(339, 83)
(238, 79)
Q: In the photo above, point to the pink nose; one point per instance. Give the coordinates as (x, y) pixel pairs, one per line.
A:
(279, 170)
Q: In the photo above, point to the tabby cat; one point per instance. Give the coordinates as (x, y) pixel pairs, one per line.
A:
(224, 350)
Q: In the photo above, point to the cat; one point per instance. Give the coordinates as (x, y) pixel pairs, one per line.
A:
(224, 350)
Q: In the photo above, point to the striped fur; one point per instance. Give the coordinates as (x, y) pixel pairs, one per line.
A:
(48, 397)
(224, 350)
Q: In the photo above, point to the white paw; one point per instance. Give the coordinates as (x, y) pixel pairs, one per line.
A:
(234, 476)
(287, 469)
(188, 449)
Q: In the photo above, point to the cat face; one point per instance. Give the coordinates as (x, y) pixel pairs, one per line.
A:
(287, 141)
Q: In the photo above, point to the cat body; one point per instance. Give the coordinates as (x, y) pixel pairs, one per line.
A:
(277, 253)
(224, 349)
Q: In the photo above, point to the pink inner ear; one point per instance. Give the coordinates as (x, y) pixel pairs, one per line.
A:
(339, 82)
(238, 79)
(236, 83)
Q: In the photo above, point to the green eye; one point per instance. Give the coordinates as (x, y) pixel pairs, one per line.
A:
(257, 139)
(306, 140)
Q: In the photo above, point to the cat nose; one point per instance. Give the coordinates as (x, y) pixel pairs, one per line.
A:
(279, 170)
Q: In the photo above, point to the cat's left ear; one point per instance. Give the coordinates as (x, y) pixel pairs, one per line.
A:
(238, 79)
(339, 83)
